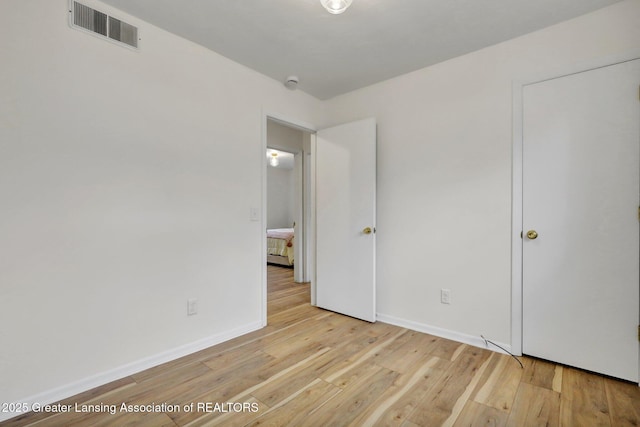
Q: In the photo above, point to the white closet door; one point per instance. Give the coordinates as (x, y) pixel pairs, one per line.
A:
(581, 139)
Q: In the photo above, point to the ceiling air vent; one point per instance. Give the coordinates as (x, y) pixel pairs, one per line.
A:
(103, 25)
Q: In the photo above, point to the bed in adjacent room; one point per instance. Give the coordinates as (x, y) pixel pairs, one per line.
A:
(280, 246)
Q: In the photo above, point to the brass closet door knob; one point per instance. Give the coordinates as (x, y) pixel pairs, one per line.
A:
(532, 234)
(367, 230)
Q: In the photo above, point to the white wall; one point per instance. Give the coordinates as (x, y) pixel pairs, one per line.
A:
(444, 172)
(126, 182)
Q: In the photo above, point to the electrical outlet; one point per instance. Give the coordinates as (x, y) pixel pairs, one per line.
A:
(254, 214)
(192, 306)
(445, 296)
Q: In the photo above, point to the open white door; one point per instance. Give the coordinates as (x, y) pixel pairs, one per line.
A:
(581, 145)
(345, 219)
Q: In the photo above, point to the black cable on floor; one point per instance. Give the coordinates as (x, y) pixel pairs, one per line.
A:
(487, 342)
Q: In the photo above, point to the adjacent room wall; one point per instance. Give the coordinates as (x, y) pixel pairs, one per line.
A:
(280, 181)
(281, 137)
(126, 184)
(280, 197)
(444, 172)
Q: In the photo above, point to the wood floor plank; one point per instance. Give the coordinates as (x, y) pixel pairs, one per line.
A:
(583, 399)
(296, 410)
(538, 372)
(339, 371)
(535, 406)
(352, 330)
(154, 419)
(439, 404)
(322, 330)
(258, 342)
(178, 375)
(556, 385)
(402, 397)
(624, 402)
(475, 414)
(446, 349)
(292, 315)
(404, 354)
(276, 391)
(239, 388)
(285, 301)
(355, 398)
(499, 385)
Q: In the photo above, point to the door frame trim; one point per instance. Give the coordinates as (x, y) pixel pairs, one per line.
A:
(305, 127)
(516, 170)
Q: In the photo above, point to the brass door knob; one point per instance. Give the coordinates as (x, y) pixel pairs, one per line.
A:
(367, 230)
(532, 234)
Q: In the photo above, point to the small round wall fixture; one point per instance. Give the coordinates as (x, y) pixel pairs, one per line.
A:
(291, 82)
(336, 6)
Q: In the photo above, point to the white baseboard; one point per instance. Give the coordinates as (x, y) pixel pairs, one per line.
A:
(475, 341)
(68, 390)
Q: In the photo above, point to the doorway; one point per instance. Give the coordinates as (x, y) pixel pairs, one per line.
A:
(287, 209)
(335, 223)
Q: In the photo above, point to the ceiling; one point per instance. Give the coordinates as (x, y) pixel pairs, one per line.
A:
(372, 41)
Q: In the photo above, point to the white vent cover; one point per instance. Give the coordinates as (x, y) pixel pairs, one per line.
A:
(103, 25)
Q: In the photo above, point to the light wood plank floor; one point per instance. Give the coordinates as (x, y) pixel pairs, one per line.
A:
(310, 367)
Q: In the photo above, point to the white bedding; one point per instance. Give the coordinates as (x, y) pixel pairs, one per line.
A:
(280, 243)
(281, 233)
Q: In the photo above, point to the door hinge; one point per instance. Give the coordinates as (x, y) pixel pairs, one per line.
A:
(638, 332)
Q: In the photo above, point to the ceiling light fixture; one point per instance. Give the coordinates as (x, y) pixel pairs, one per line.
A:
(336, 6)
(274, 161)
